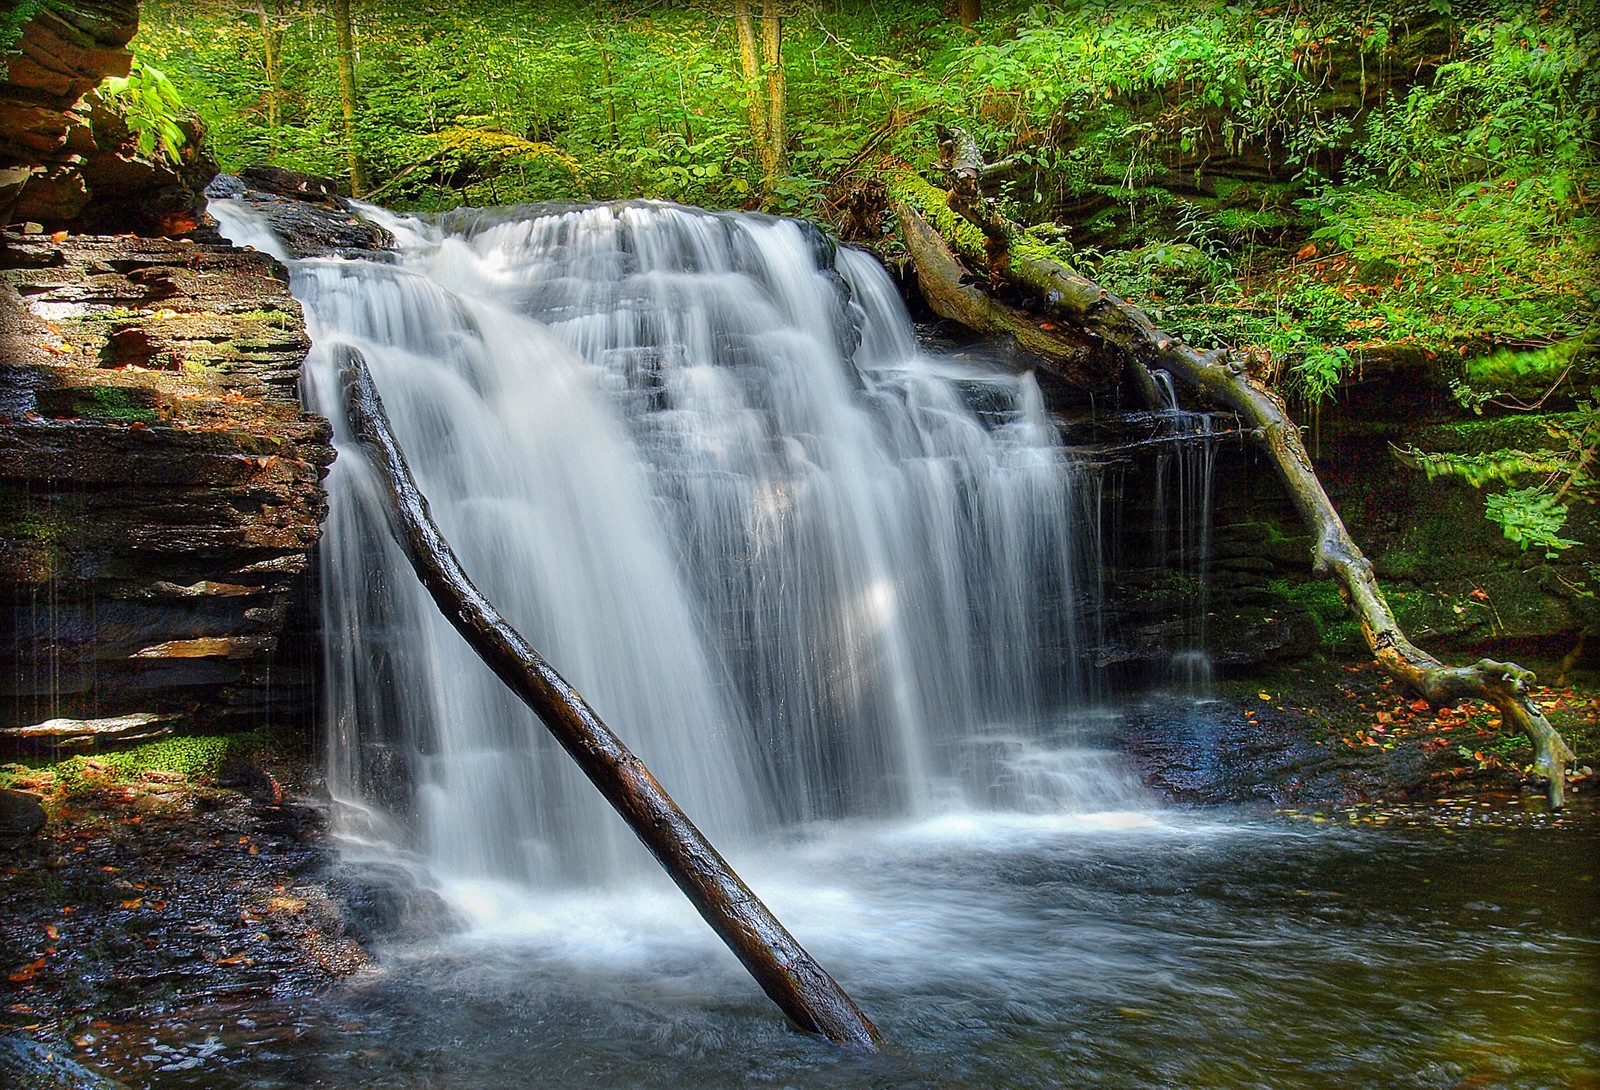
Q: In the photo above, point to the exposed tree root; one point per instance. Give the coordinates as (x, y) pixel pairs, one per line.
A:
(935, 235)
(786, 972)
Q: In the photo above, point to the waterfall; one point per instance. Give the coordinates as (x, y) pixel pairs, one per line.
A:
(805, 570)
(1184, 470)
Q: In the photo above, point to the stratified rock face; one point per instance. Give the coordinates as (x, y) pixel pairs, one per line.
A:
(64, 53)
(66, 158)
(160, 484)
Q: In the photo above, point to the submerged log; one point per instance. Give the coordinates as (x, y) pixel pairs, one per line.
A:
(1112, 323)
(783, 968)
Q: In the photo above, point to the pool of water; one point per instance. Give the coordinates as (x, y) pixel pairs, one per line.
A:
(1453, 947)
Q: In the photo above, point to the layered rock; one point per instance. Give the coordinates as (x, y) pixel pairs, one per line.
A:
(1236, 595)
(66, 158)
(159, 483)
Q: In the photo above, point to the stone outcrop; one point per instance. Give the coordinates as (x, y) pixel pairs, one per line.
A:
(1250, 602)
(160, 484)
(66, 158)
(307, 215)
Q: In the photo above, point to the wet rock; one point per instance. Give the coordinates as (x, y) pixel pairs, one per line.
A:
(288, 183)
(159, 476)
(181, 894)
(27, 1064)
(380, 901)
(21, 814)
(56, 734)
(312, 221)
(1211, 753)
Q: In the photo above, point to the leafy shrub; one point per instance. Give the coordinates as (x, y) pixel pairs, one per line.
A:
(150, 106)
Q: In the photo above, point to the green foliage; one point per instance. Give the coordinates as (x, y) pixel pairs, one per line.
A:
(1513, 378)
(1530, 516)
(1428, 166)
(1535, 514)
(1478, 470)
(1513, 97)
(150, 106)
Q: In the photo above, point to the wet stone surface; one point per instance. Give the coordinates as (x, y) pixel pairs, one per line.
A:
(160, 925)
(1342, 733)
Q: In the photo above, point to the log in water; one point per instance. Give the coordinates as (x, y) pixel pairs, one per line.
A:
(789, 975)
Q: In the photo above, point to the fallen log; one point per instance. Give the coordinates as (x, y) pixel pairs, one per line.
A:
(1110, 322)
(780, 965)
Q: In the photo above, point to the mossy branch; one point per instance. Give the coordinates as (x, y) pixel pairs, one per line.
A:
(1109, 322)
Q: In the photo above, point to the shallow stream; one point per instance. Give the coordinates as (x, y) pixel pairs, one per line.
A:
(1457, 947)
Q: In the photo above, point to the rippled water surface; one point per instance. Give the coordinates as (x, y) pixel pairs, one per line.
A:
(1130, 949)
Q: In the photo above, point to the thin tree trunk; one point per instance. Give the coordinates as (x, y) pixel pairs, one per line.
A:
(271, 56)
(348, 94)
(789, 975)
(750, 64)
(611, 96)
(969, 11)
(1112, 322)
(772, 54)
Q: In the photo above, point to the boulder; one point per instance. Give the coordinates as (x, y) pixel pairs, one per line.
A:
(66, 158)
(21, 814)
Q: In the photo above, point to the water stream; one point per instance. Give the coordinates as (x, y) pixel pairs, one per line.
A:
(828, 587)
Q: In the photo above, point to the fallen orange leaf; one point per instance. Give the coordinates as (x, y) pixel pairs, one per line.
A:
(25, 974)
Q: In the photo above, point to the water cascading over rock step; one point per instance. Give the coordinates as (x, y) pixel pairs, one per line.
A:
(699, 461)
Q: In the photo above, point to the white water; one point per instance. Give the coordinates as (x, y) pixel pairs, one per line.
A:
(702, 466)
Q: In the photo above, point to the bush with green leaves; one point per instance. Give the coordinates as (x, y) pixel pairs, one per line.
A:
(150, 106)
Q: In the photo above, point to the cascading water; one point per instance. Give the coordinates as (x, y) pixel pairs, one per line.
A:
(1184, 470)
(806, 571)
(811, 574)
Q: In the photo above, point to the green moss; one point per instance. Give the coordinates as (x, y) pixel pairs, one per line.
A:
(121, 403)
(194, 757)
(930, 202)
(1516, 432)
(1320, 598)
(39, 529)
(1403, 564)
(277, 317)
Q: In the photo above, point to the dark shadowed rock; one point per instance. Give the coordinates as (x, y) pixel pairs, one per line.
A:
(66, 158)
(21, 814)
(291, 184)
(311, 220)
(27, 1064)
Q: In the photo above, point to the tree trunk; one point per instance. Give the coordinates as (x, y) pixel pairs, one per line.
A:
(1109, 321)
(347, 93)
(611, 96)
(969, 11)
(772, 54)
(789, 975)
(271, 62)
(750, 64)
